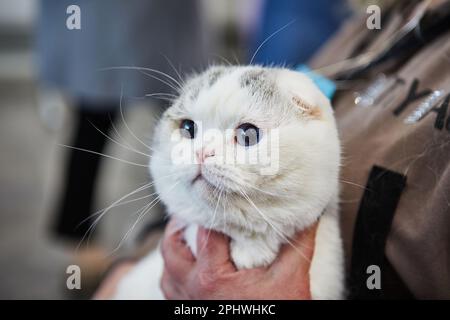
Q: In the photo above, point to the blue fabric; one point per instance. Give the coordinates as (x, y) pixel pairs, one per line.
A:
(325, 85)
(314, 22)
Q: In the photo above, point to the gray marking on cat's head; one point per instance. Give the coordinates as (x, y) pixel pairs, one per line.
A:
(204, 80)
(258, 82)
(252, 78)
(214, 74)
(193, 88)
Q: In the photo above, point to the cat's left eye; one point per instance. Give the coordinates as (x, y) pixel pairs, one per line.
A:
(188, 128)
(247, 134)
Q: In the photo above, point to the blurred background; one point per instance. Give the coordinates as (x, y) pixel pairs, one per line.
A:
(87, 89)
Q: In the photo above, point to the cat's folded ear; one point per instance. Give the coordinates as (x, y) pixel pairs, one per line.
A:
(303, 94)
(307, 110)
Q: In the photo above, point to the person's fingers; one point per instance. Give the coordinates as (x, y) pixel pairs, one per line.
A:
(178, 258)
(169, 288)
(213, 249)
(298, 253)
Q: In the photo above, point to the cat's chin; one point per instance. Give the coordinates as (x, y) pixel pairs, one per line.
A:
(206, 194)
(204, 189)
(201, 182)
(209, 191)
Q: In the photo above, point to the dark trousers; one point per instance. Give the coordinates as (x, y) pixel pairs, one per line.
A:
(76, 202)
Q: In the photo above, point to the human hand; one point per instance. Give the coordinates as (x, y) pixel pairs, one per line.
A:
(212, 275)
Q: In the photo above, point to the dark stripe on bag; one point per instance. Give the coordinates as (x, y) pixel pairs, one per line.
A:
(375, 215)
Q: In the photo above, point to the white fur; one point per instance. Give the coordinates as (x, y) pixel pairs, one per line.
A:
(304, 188)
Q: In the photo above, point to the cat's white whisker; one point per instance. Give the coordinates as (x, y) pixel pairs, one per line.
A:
(214, 215)
(117, 132)
(224, 216)
(354, 184)
(139, 213)
(115, 203)
(118, 143)
(174, 69)
(170, 85)
(162, 96)
(236, 59)
(126, 143)
(245, 184)
(125, 123)
(143, 69)
(144, 212)
(270, 37)
(222, 58)
(103, 155)
(108, 208)
(115, 206)
(275, 228)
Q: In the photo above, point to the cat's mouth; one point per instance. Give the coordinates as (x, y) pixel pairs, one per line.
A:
(201, 178)
(207, 184)
(197, 178)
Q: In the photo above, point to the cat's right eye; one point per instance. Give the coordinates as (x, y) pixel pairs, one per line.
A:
(247, 134)
(188, 128)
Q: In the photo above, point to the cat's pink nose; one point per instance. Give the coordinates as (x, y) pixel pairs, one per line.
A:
(204, 153)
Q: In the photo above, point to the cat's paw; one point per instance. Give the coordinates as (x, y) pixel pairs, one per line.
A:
(248, 254)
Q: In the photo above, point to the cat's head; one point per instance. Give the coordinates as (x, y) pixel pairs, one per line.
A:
(251, 137)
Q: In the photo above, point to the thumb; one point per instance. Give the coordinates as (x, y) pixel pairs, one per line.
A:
(213, 248)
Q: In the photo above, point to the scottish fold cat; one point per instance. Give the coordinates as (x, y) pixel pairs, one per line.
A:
(252, 152)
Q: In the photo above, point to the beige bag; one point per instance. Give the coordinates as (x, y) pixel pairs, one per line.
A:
(395, 198)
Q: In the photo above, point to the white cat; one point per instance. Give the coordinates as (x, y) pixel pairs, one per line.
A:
(260, 111)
